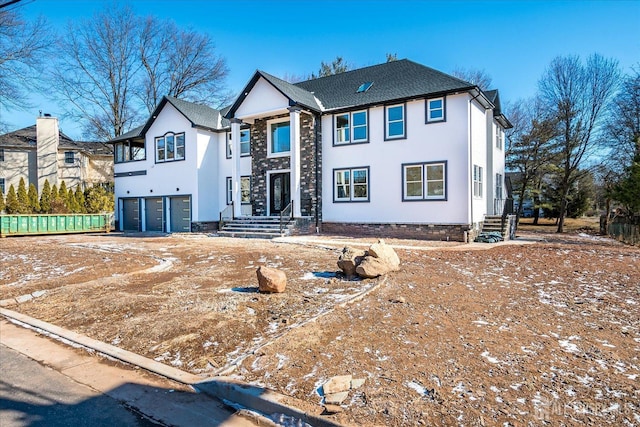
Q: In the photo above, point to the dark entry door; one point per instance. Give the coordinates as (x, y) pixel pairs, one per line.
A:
(280, 192)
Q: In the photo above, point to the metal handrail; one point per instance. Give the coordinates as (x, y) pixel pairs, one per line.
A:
(226, 214)
(283, 213)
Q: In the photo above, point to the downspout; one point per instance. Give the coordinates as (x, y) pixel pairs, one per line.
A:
(471, 158)
(316, 118)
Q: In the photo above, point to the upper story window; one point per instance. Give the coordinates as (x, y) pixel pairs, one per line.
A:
(128, 151)
(245, 143)
(436, 110)
(351, 185)
(351, 128)
(424, 181)
(395, 122)
(278, 137)
(477, 181)
(170, 147)
(2, 185)
(499, 140)
(69, 157)
(1, 154)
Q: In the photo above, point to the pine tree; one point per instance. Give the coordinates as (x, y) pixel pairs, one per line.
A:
(1, 202)
(72, 203)
(80, 200)
(13, 205)
(34, 204)
(45, 197)
(58, 205)
(23, 198)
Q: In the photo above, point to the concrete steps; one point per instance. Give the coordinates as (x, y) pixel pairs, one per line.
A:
(255, 227)
(493, 224)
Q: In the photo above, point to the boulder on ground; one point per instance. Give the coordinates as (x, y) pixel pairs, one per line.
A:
(337, 384)
(349, 260)
(271, 280)
(386, 253)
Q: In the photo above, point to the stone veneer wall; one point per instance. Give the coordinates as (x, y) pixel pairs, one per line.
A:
(450, 232)
(205, 226)
(261, 165)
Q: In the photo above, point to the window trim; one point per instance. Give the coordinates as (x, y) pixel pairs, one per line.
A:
(271, 122)
(69, 157)
(351, 199)
(175, 147)
(478, 181)
(388, 137)
(3, 185)
(126, 147)
(428, 110)
(499, 137)
(351, 141)
(425, 197)
(228, 152)
(499, 187)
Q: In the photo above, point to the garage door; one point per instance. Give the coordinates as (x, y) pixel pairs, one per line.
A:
(154, 209)
(180, 213)
(130, 215)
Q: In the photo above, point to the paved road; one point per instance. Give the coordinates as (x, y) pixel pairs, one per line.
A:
(34, 395)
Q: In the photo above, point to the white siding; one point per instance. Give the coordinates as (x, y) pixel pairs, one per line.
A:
(444, 141)
(478, 157)
(262, 99)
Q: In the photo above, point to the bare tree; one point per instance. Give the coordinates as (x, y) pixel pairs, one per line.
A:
(529, 148)
(115, 67)
(337, 66)
(623, 126)
(479, 78)
(577, 95)
(97, 68)
(180, 63)
(22, 49)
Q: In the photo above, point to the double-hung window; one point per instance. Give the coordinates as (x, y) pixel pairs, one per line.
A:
(351, 128)
(245, 138)
(498, 137)
(170, 147)
(477, 181)
(351, 185)
(499, 186)
(279, 137)
(424, 181)
(436, 110)
(69, 157)
(395, 122)
(2, 184)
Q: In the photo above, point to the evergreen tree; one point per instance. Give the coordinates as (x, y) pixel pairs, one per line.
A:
(80, 200)
(627, 191)
(45, 197)
(58, 204)
(1, 202)
(13, 206)
(98, 200)
(72, 203)
(23, 198)
(34, 204)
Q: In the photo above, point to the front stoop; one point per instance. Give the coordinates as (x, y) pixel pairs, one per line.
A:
(494, 224)
(257, 227)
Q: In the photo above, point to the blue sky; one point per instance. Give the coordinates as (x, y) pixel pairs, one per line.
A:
(512, 41)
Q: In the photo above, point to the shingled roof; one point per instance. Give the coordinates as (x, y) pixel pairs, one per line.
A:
(391, 81)
(25, 138)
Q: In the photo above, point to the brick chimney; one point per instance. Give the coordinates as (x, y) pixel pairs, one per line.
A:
(47, 141)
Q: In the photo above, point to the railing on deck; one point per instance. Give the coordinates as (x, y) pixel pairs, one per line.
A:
(287, 213)
(226, 215)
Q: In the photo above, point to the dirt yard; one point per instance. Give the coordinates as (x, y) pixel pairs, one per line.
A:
(542, 333)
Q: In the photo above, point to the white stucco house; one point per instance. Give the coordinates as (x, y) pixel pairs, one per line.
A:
(396, 149)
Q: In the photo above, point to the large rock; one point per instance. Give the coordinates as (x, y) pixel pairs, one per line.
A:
(381, 259)
(271, 280)
(349, 260)
(337, 384)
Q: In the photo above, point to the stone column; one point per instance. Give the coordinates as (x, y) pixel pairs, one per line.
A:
(294, 128)
(235, 167)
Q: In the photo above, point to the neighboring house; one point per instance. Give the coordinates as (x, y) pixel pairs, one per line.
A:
(40, 152)
(396, 149)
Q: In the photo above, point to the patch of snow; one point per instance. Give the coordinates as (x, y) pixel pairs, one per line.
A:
(480, 322)
(490, 358)
(422, 390)
(568, 346)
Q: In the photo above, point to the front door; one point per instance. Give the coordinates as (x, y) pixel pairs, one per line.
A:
(280, 192)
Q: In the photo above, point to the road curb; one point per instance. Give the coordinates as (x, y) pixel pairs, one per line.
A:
(227, 389)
